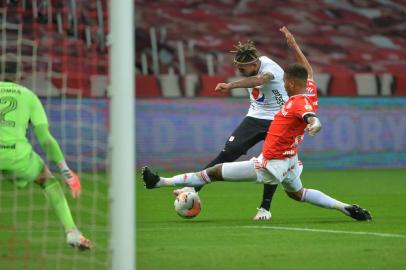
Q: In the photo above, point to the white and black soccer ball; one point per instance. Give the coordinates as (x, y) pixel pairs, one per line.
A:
(188, 204)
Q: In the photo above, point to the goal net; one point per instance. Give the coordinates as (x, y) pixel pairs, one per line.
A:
(58, 50)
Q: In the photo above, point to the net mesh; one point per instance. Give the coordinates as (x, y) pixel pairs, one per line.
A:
(56, 47)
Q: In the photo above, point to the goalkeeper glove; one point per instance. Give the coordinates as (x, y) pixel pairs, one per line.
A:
(72, 180)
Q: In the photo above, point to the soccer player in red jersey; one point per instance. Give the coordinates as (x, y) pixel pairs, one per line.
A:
(278, 163)
(263, 79)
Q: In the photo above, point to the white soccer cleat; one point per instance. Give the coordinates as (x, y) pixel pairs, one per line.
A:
(75, 239)
(263, 214)
(176, 192)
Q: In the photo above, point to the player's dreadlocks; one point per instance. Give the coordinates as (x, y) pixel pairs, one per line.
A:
(245, 53)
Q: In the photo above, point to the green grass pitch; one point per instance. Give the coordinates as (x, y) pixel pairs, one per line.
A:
(223, 236)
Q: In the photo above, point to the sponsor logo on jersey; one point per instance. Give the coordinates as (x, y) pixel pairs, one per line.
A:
(10, 91)
(8, 146)
(289, 153)
(308, 107)
(278, 97)
(257, 95)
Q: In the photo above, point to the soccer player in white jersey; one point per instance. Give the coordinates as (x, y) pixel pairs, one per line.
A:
(278, 163)
(264, 81)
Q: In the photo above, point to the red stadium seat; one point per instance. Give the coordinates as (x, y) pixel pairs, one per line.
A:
(342, 85)
(400, 85)
(208, 84)
(147, 86)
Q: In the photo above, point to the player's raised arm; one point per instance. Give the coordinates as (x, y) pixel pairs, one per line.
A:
(300, 58)
(249, 82)
(246, 60)
(52, 148)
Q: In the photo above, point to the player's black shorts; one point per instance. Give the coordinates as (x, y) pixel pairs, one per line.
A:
(250, 131)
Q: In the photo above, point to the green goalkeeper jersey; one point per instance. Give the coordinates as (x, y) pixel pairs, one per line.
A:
(18, 107)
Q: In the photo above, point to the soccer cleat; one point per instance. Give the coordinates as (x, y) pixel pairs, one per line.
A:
(75, 239)
(263, 214)
(358, 213)
(150, 179)
(178, 191)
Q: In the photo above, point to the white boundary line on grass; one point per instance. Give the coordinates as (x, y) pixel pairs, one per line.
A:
(281, 228)
(324, 231)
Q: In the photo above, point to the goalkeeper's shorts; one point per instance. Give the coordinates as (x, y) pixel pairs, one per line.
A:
(25, 170)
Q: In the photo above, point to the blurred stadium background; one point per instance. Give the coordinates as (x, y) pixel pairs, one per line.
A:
(60, 49)
(357, 49)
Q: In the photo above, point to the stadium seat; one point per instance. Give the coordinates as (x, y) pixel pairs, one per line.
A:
(41, 85)
(386, 82)
(366, 84)
(208, 84)
(400, 85)
(147, 86)
(98, 85)
(170, 85)
(190, 83)
(342, 85)
(322, 81)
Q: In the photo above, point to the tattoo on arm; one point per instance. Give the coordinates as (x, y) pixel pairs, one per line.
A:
(266, 77)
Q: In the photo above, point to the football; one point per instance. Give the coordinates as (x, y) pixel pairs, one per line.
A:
(188, 204)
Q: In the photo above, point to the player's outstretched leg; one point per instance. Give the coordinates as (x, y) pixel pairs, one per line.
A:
(233, 171)
(54, 193)
(193, 179)
(318, 198)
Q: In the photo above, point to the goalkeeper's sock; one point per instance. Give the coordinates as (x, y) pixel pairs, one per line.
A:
(320, 199)
(186, 179)
(55, 195)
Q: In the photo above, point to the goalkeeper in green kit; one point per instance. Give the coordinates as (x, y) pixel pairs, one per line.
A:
(20, 107)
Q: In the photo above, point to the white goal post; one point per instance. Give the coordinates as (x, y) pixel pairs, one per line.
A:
(122, 134)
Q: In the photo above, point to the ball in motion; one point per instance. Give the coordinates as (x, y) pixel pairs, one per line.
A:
(187, 204)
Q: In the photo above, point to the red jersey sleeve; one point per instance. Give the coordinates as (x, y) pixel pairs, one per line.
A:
(311, 92)
(302, 106)
(311, 87)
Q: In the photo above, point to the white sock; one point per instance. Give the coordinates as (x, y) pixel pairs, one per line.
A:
(186, 179)
(320, 199)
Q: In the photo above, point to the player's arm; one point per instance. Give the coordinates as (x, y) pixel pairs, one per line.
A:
(313, 124)
(249, 82)
(300, 58)
(51, 147)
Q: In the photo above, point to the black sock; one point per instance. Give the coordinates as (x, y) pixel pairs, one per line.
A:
(267, 196)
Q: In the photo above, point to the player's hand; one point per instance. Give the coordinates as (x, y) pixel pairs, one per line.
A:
(289, 37)
(312, 129)
(72, 180)
(222, 87)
